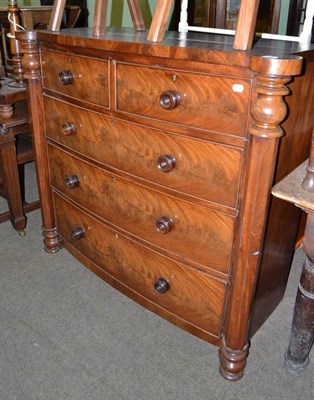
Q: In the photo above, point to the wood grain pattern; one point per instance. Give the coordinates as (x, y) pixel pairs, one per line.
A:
(136, 209)
(225, 111)
(197, 298)
(203, 169)
(90, 76)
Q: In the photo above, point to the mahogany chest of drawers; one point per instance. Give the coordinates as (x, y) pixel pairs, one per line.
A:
(155, 163)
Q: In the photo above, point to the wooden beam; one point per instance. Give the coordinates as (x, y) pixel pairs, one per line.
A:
(100, 16)
(246, 25)
(136, 15)
(56, 15)
(160, 19)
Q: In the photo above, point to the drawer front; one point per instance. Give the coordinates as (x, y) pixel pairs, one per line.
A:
(192, 295)
(80, 77)
(202, 169)
(191, 232)
(202, 101)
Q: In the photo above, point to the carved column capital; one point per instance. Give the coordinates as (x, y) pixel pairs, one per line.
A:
(29, 48)
(270, 109)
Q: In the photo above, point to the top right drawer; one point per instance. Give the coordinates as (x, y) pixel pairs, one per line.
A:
(208, 102)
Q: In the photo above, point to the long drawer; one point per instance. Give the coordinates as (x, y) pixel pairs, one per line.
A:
(76, 76)
(194, 296)
(189, 231)
(201, 169)
(203, 101)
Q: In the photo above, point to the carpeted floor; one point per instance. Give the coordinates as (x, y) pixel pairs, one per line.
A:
(65, 334)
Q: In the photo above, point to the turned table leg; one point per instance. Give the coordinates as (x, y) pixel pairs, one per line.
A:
(12, 185)
(302, 332)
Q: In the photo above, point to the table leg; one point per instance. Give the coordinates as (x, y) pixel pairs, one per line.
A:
(11, 181)
(302, 331)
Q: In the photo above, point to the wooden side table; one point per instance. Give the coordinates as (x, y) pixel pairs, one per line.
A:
(13, 155)
(298, 188)
(10, 95)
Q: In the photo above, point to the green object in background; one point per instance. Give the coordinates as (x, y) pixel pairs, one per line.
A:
(120, 15)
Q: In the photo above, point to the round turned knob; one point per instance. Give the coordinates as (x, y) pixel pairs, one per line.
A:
(72, 181)
(68, 129)
(161, 286)
(78, 233)
(163, 225)
(166, 163)
(169, 99)
(66, 77)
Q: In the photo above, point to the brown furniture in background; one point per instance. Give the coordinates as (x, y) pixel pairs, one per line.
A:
(298, 188)
(39, 17)
(15, 137)
(156, 169)
(82, 20)
(15, 151)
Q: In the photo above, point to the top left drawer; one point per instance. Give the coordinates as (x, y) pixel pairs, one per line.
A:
(76, 76)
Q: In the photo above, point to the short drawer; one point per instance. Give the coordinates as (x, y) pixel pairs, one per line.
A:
(209, 102)
(188, 231)
(187, 293)
(201, 169)
(84, 78)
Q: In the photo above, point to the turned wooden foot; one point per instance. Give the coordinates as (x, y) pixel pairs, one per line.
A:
(232, 362)
(51, 240)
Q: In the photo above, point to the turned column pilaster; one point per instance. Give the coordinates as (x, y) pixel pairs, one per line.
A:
(268, 111)
(31, 68)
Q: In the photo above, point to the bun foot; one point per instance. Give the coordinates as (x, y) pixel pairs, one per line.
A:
(51, 240)
(232, 362)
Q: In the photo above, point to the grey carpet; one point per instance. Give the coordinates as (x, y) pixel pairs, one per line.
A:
(65, 334)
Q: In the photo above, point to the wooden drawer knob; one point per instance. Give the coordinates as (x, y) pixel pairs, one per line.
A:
(68, 129)
(78, 233)
(161, 286)
(166, 163)
(169, 99)
(66, 77)
(72, 181)
(163, 225)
